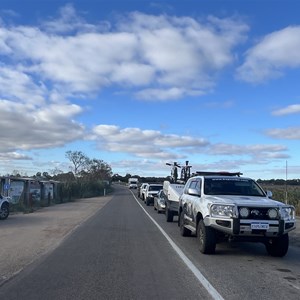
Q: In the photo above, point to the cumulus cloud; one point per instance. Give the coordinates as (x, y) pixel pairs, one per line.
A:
(291, 133)
(7, 156)
(258, 152)
(275, 53)
(24, 127)
(151, 144)
(291, 109)
(149, 54)
(18, 86)
(144, 143)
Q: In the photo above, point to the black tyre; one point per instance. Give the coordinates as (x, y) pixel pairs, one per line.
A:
(169, 215)
(206, 238)
(183, 231)
(279, 246)
(4, 212)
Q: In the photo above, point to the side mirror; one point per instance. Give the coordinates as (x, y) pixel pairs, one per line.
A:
(193, 192)
(269, 194)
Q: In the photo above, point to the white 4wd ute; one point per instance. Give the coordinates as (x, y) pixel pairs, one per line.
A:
(220, 205)
(4, 207)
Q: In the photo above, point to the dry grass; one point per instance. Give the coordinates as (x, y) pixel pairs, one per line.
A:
(289, 194)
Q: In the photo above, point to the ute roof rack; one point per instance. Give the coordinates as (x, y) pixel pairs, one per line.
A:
(221, 173)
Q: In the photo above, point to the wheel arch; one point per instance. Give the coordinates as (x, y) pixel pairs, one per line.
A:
(198, 218)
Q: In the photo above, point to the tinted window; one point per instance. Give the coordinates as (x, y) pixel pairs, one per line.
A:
(155, 187)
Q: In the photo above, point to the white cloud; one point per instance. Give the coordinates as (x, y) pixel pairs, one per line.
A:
(170, 57)
(291, 109)
(144, 143)
(18, 86)
(67, 21)
(291, 133)
(275, 53)
(257, 152)
(7, 156)
(156, 145)
(24, 127)
(166, 94)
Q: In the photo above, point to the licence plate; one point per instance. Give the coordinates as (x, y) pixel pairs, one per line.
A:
(263, 226)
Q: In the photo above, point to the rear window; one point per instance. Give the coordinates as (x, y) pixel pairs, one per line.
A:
(155, 187)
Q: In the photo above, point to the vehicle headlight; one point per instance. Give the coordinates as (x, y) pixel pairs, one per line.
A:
(244, 212)
(272, 213)
(287, 213)
(219, 210)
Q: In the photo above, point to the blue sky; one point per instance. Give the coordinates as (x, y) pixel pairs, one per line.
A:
(140, 83)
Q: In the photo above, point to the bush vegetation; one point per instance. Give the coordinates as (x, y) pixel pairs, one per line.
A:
(285, 193)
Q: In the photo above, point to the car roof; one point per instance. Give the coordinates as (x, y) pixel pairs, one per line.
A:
(222, 177)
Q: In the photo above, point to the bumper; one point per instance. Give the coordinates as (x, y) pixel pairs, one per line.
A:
(150, 200)
(238, 227)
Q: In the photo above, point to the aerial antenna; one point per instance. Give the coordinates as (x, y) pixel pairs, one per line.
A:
(286, 176)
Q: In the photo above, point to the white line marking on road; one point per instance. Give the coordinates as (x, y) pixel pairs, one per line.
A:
(210, 289)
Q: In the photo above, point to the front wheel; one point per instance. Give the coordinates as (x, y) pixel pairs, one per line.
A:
(279, 246)
(206, 238)
(4, 212)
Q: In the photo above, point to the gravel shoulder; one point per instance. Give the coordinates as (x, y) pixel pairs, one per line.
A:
(26, 237)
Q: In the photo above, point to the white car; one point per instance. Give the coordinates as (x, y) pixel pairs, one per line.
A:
(141, 190)
(219, 205)
(4, 207)
(151, 190)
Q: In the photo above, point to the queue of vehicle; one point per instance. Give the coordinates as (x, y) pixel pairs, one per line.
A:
(223, 206)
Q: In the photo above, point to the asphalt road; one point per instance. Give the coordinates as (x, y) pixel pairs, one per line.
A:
(123, 252)
(117, 254)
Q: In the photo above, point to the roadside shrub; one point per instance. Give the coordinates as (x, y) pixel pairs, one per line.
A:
(291, 193)
(69, 191)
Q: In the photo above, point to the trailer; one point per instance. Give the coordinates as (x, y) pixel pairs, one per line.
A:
(172, 192)
(174, 188)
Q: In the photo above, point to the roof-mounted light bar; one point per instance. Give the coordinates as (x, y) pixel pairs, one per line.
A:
(221, 173)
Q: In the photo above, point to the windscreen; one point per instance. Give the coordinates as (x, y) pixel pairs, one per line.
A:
(232, 186)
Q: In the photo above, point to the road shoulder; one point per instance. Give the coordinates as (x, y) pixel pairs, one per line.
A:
(26, 237)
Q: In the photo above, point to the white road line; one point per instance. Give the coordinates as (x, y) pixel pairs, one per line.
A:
(210, 289)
